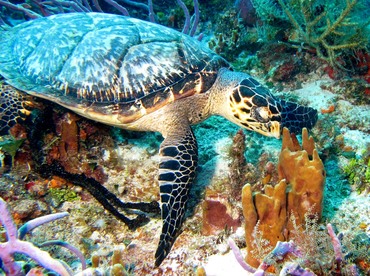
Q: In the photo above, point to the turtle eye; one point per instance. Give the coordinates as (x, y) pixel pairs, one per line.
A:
(262, 114)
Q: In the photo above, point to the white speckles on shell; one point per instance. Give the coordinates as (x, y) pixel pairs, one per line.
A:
(106, 58)
(148, 67)
(96, 60)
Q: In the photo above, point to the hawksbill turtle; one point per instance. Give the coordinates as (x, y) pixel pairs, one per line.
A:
(140, 76)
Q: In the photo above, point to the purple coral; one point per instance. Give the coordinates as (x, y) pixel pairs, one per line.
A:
(278, 253)
(14, 244)
(187, 29)
(336, 244)
(293, 268)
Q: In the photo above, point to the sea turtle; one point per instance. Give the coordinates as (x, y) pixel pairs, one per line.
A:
(140, 76)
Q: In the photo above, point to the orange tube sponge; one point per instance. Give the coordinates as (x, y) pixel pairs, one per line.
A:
(300, 190)
(269, 210)
(304, 171)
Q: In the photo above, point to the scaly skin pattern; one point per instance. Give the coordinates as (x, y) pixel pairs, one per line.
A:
(255, 108)
(140, 76)
(14, 107)
(179, 158)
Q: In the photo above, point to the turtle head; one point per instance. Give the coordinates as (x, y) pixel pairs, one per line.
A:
(253, 107)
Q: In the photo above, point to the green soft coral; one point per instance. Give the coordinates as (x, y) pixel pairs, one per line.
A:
(330, 28)
(61, 195)
(358, 173)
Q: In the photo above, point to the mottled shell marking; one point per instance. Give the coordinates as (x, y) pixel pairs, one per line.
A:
(121, 65)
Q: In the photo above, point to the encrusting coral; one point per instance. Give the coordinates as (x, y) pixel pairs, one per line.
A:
(300, 190)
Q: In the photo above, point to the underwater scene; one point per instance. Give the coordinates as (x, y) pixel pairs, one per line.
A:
(185, 137)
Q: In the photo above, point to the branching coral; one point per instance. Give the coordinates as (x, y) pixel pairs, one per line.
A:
(358, 173)
(14, 244)
(321, 30)
(327, 27)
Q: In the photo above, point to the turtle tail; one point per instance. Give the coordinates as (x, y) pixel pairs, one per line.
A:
(295, 117)
(179, 158)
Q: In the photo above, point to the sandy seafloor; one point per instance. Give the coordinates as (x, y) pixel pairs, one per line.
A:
(97, 232)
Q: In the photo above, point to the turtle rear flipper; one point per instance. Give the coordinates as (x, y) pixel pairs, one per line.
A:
(15, 106)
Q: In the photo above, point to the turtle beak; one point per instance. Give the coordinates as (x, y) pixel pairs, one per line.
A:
(274, 129)
(270, 129)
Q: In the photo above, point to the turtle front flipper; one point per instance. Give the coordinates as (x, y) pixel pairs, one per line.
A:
(15, 106)
(179, 158)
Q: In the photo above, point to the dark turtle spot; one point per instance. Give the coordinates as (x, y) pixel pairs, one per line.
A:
(170, 164)
(273, 109)
(236, 96)
(246, 91)
(256, 83)
(245, 110)
(259, 101)
(248, 103)
(170, 151)
(248, 83)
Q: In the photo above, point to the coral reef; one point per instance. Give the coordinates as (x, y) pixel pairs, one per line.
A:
(130, 158)
(15, 245)
(284, 64)
(221, 212)
(314, 36)
(300, 190)
(9, 146)
(268, 213)
(246, 12)
(72, 146)
(296, 258)
(217, 216)
(232, 37)
(237, 165)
